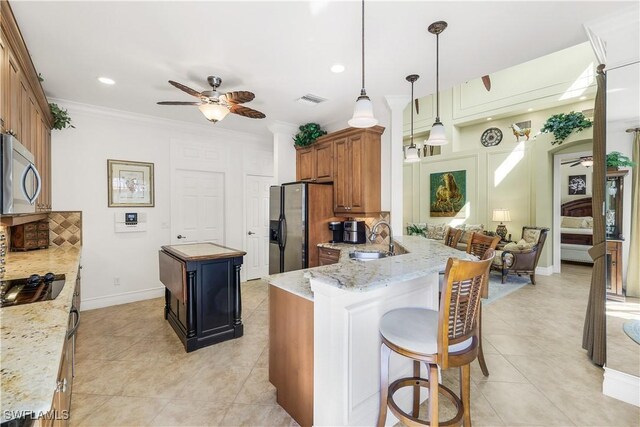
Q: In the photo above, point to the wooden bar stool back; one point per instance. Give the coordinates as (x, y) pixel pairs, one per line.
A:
(479, 243)
(452, 237)
(447, 338)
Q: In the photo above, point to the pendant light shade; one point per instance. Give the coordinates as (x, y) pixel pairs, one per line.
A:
(411, 152)
(363, 111)
(214, 112)
(437, 135)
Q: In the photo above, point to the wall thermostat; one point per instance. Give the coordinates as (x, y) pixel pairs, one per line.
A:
(126, 222)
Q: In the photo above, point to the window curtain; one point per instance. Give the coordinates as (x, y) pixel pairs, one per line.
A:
(633, 271)
(594, 336)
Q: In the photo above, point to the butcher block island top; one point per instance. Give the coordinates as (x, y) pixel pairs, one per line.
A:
(33, 335)
(202, 251)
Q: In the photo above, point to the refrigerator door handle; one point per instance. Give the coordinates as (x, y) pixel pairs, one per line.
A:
(283, 233)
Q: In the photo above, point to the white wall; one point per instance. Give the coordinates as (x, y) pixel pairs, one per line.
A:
(79, 178)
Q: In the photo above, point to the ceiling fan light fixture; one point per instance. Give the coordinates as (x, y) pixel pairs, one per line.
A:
(587, 163)
(214, 112)
(363, 113)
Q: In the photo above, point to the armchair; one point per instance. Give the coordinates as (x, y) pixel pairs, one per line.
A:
(522, 257)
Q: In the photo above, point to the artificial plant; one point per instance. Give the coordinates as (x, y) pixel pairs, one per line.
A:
(61, 119)
(561, 125)
(616, 159)
(308, 134)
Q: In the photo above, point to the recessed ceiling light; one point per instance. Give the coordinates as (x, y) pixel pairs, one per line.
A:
(582, 98)
(337, 68)
(106, 80)
(489, 118)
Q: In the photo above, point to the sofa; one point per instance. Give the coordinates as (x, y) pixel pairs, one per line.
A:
(437, 231)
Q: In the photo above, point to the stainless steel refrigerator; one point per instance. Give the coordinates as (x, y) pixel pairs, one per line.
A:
(299, 216)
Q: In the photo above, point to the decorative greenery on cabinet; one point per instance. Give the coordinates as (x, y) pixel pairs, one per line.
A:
(616, 160)
(308, 134)
(61, 119)
(561, 125)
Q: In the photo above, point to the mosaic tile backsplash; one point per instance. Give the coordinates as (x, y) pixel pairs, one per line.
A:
(65, 229)
(383, 237)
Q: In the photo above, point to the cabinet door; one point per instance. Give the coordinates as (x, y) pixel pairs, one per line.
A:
(4, 73)
(356, 151)
(14, 93)
(342, 178)
(304, 164)
(25, 114)
(323, 157)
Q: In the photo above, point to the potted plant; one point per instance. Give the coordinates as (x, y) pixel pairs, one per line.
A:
(308, 134)
(617, 160)
(561, 125)
(61, 119)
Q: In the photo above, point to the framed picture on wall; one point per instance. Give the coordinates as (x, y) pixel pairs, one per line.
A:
(577, 184)
(448, 193)
(130, 184)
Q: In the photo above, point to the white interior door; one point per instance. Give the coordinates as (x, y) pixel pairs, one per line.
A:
(197, 207)
(257, 226)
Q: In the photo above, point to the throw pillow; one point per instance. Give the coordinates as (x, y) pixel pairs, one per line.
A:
(436, 231)
(573, 222)
(531, 236)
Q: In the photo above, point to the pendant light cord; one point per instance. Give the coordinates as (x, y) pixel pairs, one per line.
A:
(363, 91)
(411, 115)
(438, 77)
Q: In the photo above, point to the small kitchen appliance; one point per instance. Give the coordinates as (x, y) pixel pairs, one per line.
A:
(35, 288)
(355, 232)
(337, 232)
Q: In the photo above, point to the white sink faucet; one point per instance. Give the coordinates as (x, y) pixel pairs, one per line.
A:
(374, 234)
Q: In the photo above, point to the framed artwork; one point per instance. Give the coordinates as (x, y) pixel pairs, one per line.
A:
(448, 193)
(130, 183)
(577, 184)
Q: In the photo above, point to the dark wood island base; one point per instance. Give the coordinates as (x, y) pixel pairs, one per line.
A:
(202, 296)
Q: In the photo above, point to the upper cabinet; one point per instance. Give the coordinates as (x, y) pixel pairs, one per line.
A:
(24, 110)
(349, 158)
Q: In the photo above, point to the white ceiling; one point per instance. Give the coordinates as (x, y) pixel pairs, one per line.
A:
(283, 50)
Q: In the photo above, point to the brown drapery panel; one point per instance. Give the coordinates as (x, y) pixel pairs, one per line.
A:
(594, 336)
(633, 271)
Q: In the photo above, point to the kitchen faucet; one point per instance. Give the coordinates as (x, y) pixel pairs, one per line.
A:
(374, 234)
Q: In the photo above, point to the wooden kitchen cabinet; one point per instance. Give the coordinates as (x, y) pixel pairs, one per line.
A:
(3, 85)
(327, 256)
(614, 270)
(315, 163)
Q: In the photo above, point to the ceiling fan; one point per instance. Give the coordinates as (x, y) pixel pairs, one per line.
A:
(586, 161)
(216, 105)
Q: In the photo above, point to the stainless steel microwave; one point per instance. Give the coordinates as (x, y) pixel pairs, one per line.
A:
(21, 182)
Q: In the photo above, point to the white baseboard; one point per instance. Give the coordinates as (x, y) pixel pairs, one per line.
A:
(621, 386)
(123, 298)
(545, 271)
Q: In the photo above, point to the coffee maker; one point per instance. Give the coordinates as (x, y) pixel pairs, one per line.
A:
(355, 232)
(337, 232)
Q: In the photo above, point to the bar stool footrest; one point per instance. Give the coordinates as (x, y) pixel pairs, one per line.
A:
(412, 421)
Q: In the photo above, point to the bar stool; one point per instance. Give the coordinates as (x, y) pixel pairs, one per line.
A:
(447, 338)
(452, 237)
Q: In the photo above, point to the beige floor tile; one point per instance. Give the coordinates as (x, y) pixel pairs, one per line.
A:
(240, 414)
(263, 360)
(500, 369)
(190, 413)
(125, 412)
(257, 389)
(83, 405)
(104, 376)
(520, 404)
(102, 347)
(215, 384)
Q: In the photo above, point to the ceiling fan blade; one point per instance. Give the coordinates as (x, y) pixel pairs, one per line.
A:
(178, 103)
(186, 89)
(239, 97)
(576, 163)
(417, 106)
(566, 162)
(486, 80)
(246, 112)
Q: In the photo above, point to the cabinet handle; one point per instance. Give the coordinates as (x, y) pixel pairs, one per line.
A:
(180, 236)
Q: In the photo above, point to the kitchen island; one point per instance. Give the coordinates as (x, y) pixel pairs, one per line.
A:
(34, 337)
(202, 296)
(340, 345)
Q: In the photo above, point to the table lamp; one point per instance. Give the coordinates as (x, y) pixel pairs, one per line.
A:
(501, 215)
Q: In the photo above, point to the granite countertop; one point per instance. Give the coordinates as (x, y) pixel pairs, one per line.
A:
(423, 257)
(33, 335)
(202, 251)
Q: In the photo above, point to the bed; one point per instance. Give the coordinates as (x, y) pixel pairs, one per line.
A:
(576, 230)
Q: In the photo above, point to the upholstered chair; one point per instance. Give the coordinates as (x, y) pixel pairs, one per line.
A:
(521, 257)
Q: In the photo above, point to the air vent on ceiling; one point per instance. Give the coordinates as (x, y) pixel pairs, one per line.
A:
(310, 99)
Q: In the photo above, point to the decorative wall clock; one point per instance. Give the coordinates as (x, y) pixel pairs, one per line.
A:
(491, 137)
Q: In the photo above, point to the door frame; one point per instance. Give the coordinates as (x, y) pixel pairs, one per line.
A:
(245, 209)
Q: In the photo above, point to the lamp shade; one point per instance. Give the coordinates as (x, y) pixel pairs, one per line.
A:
(501, 215)
(214, 112)
(411, 154)
(437, 136)
(363, 114)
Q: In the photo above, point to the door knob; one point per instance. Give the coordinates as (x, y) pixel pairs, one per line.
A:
(250, 233)
(180, 236)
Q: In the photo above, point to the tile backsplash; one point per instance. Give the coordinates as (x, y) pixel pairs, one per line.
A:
(65, 229)
(383, 237)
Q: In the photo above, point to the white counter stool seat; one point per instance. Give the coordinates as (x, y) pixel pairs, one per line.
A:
(447, 338)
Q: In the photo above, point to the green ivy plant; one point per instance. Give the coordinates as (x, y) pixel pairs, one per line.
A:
(61, 119)
(416, 230)
(561, 125)
(616, 159)
(308, 134)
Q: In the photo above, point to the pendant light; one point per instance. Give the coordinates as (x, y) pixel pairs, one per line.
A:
(411, 152)
(363, 111)
(437, 135)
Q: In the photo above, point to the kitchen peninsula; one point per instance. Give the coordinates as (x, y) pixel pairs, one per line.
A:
(325, 344)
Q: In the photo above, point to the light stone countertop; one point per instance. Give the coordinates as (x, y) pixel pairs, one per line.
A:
(33, 335)
(423, 257)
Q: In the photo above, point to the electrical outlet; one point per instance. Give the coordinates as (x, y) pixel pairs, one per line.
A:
(116, 281)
